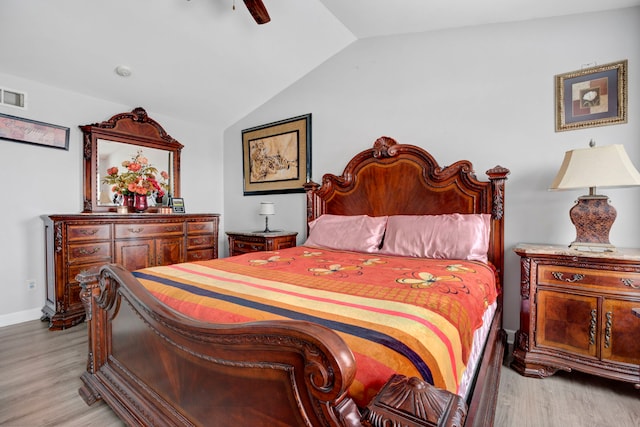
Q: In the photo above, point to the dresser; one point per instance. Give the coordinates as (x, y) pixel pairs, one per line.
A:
(577, 312)
(78, 242)
(242, 242)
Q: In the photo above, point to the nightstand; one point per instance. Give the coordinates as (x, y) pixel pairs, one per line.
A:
(242, 242)
(576, 312)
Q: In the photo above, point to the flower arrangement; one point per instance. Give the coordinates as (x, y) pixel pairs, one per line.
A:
(139, 177)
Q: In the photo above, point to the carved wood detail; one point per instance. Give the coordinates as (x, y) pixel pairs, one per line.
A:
(403, 398)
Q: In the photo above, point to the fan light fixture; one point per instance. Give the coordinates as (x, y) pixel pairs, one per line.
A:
(592, 215)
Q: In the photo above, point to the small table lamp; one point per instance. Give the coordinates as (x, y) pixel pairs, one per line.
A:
(592, 215)
(266, 209)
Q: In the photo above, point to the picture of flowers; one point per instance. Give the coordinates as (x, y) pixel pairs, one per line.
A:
(595, 96)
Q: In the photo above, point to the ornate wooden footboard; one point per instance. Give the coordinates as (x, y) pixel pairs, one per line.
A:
(154, 366)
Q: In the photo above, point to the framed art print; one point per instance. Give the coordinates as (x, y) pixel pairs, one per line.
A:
(29, 131)
(276, 156)
(595, 96)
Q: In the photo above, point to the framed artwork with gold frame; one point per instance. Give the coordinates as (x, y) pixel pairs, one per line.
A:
(276, 156)
(595, 96)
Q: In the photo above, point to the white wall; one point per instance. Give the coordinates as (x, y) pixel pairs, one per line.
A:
(38, 180)
(485, 94)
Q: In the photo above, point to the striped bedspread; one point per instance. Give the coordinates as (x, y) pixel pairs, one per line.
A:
(398, 315)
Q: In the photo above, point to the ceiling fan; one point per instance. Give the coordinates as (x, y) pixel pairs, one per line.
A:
(258, 11)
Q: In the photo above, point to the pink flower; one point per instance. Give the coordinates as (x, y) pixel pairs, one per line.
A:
(134, 167)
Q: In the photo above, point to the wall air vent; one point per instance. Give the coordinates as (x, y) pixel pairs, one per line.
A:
(13, 98)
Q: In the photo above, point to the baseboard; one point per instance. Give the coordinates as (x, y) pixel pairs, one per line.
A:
(20, 317)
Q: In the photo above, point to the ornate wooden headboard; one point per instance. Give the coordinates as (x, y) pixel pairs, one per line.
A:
(398, 179)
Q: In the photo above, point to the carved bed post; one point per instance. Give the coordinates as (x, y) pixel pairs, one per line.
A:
(498, 176)
(95, 291)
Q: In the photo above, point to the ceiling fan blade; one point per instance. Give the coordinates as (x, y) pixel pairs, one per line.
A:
(258, 11)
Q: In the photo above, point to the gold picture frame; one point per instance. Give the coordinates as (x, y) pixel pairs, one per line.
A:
(590, 97)
(276, 157)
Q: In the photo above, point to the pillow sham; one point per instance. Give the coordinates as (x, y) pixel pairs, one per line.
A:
(448, 236)
(360, 233)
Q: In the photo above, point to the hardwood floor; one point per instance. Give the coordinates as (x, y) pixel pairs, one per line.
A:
(40, 376)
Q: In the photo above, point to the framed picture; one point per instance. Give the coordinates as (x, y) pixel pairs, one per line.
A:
(276, 157)
(595, 96)
(31, 132)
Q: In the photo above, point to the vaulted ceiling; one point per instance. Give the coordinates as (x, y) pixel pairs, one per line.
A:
(207, 60)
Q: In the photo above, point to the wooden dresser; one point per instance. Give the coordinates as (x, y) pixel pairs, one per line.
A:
(77, 242)
(577, 312)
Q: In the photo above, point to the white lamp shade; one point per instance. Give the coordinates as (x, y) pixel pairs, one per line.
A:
(606, 166)
(267, 208)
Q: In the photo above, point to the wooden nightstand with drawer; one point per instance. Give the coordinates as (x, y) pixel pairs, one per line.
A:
(242, 242)
(576, 312)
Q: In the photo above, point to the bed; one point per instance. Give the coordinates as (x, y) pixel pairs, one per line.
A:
(301, 336)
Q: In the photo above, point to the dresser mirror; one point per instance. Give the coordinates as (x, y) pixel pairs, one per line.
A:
(120, 138)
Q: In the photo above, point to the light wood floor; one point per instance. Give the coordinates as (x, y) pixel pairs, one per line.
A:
(40, 371)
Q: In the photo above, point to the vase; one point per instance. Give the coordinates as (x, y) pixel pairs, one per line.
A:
(127, 200)
(140, 202)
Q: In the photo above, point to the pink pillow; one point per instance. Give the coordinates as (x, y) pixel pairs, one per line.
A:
(360, 233)
(450, 236)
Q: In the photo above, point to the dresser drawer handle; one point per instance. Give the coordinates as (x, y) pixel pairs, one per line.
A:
(607, 330)
(135, 230)
(89, 252)
(199, 241)
(240, 245)
(88, 232)
(573, 279)
(629, 283)
(196, 256)
(174, 228)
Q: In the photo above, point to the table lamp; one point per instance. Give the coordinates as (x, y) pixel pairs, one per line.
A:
(592, 215)
(266, 209)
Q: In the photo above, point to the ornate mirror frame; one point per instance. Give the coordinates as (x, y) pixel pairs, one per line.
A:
(135, 128)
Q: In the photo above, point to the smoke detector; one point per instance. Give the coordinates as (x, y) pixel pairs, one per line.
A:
(123, 70)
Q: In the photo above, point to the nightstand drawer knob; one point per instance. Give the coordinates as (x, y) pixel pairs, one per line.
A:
(560, 276)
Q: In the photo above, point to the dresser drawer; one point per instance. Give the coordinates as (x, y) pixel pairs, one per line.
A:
(75, 269)
(203, 241)
(78, 233)
(89, 252)
(203, 227)
(588, 277)
(130, 231)
(200, 255)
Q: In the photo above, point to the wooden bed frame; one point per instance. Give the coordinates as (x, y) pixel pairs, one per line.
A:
(153, 366)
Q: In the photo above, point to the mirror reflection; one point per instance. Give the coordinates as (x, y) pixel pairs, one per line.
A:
(112, 154)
